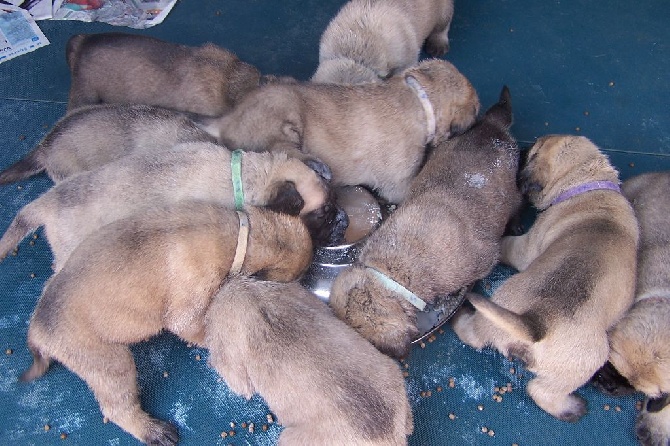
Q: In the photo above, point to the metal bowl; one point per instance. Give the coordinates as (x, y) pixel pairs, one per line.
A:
(329, 261)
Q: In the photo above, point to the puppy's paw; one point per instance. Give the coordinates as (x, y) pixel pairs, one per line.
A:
(576, 409)
(653, 429)
(161, 433)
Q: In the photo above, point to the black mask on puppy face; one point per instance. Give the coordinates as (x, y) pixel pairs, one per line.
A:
(658, 404)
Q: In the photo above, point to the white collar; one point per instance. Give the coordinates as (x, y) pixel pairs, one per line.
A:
(242, 242)
(427, 107)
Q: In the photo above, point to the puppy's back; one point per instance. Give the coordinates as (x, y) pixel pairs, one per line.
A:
(312, 369)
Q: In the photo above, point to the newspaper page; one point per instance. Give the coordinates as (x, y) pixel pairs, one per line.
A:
(39, 9)
(130, 13)
(19, 34)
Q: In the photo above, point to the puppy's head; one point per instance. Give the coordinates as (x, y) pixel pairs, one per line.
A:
(300, 188)
(377, 314)
(640, 346)
(555, 163)
(454, 99)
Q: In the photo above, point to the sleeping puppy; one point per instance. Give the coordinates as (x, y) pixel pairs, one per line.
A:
(640, 342)
(577, 274)
(129, 68)
(326, 384)
(82, 204)
(368, 40)
(94, 135)
(156, 270)
(442, 238)
(373, 135)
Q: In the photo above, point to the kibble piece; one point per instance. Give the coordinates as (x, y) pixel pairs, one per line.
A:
(452, 416)
(617, 408)
(485, 429)
(251, 428)
(47, 428)
(439, 388)
(224, 434)
(270, 419)
(480, 407)
(491, 433)
(9, 351)
(264, 427)
(197, 357)
(63, 436)
(607, 407)
(232, 424)
(165, 374)
(231, 433)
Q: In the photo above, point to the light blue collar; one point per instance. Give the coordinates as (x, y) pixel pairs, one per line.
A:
(394, 286)
(236, 176)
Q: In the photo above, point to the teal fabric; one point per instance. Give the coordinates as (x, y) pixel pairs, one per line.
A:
(572, 66)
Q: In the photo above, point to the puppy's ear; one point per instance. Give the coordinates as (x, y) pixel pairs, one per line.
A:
(286, 199)
(501, 112)
(293, 132)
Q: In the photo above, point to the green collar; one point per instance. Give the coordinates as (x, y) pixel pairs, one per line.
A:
(394, 286)
(236, 176)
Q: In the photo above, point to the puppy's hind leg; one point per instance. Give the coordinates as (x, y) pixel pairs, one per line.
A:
(464, 323)
(110, 372)
(553, 397)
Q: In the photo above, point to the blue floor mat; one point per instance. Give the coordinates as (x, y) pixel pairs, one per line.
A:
(574, 66)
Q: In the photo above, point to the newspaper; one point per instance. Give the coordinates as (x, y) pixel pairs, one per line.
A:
(130, 13)
(19, 34)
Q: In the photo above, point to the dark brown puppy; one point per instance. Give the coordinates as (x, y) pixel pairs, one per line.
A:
(373, 135)
(129, 68)
(576, 274)
(326, 384)
(82, 204)
(443, 237)
(157, 270)
(94, 135)
(640, 342)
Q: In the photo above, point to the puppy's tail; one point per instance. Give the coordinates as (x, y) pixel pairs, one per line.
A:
(22, 169)
(23, 224)
(512, 323)
(39, 366)
(501, 112)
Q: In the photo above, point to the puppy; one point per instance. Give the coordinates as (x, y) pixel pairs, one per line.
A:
(368, 40)
(577, 274)
(640, 342)
(156, 270)
(82, 204)
(94, 135)
(443, 237)
(130, 68)
(373, 135)
(326, 384)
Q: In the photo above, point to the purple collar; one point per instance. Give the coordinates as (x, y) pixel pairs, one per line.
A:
(586, 187)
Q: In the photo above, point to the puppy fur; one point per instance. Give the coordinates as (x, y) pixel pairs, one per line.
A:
(94, 135)
(262, 335)
(576, 276)
(443, 237)
(207, 80)
(371, 40)
(156, 270)
(373, 135)
(640, 342)
(82, 204)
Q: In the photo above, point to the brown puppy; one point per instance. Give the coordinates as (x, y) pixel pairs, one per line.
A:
(372, 135)
(157, 270)
(130, 68)
(326, 384)
(640, 342)
(82, 204)
(94, 135)
(576, 279)
(443, 237)
(370, 40)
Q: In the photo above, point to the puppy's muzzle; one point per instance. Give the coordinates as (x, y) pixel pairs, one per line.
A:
(527, 184)
(327, 225)
(609, 381)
